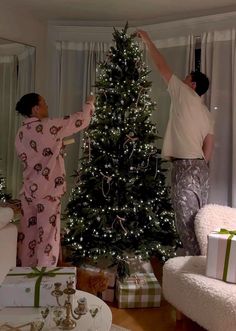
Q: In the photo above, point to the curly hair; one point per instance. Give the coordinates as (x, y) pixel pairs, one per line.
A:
(26, 103)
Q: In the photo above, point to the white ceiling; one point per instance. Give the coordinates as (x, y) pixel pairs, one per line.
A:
(106, 12)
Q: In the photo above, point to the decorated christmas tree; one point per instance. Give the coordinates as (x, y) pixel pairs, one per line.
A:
(120, 206)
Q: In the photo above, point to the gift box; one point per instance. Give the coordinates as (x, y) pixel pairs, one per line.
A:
(110, 273)
(221, 255)
(32, 287)
(138, 290)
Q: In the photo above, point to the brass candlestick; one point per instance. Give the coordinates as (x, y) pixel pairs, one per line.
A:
(67, 323)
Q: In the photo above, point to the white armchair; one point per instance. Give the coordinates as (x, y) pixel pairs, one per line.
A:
(8, 241)
(210, 218)
(209, 302)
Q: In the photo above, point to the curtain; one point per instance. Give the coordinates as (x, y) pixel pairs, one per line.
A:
(219, 63)
(17, 76)
(8, 75)
(25, 84)
(76, 74)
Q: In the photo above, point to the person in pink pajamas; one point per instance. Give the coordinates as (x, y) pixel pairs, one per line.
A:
(39, 145)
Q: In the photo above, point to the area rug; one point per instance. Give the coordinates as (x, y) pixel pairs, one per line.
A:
(118, 328)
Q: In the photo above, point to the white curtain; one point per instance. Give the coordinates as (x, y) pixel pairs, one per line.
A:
(25, 84)
(16, 79)
(219, 63)
(76, 73)
(8, 74)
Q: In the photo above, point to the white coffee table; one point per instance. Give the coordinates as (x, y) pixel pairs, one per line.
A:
(16, 316)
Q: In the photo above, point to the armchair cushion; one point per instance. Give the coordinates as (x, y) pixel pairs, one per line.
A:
(207, 301)
(8, 246)
(6, 215)
(210, 218)
(210, 302)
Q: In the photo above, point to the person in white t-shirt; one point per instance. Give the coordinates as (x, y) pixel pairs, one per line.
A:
(188, 143)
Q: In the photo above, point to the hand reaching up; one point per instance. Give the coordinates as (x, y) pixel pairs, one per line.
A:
(143, 35)
(90, 99)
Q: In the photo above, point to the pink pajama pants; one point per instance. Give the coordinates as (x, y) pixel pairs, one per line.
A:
(39, 232)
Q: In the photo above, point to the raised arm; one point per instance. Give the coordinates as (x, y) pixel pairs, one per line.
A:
(67, 126)
(90, 100)
(156, 56)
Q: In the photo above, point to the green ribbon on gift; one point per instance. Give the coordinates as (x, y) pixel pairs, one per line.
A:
(40, 273)
(225, 231)
(231, 233)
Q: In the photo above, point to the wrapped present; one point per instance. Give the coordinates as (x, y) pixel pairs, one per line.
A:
(108, 295)
(32, 287)
(110, 273)
(221, 255)
(138, 290)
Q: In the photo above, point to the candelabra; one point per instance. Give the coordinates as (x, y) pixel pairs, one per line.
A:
(67, 323)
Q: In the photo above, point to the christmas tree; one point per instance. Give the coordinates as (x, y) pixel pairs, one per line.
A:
(4, 196)
(120, 206)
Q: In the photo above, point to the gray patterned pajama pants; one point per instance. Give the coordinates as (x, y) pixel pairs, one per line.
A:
(189, 192)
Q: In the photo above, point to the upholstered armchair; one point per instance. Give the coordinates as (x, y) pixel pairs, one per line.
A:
(8, 241)
(209, 302)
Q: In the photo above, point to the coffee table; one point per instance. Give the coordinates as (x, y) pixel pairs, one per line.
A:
(16, 316)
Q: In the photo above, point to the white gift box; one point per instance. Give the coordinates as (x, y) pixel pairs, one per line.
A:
(221, 255)
(32, 287)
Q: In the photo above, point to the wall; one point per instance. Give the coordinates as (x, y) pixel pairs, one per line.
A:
(18, 25)
(66, 30)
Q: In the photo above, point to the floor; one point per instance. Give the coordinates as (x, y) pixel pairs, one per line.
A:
(152, 319)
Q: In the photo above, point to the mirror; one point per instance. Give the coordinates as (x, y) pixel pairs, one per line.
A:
(17, 77)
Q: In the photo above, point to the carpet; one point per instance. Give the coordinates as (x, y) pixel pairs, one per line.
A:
(118, 328)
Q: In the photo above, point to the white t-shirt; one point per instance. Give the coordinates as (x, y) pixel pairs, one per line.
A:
(189, 122)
